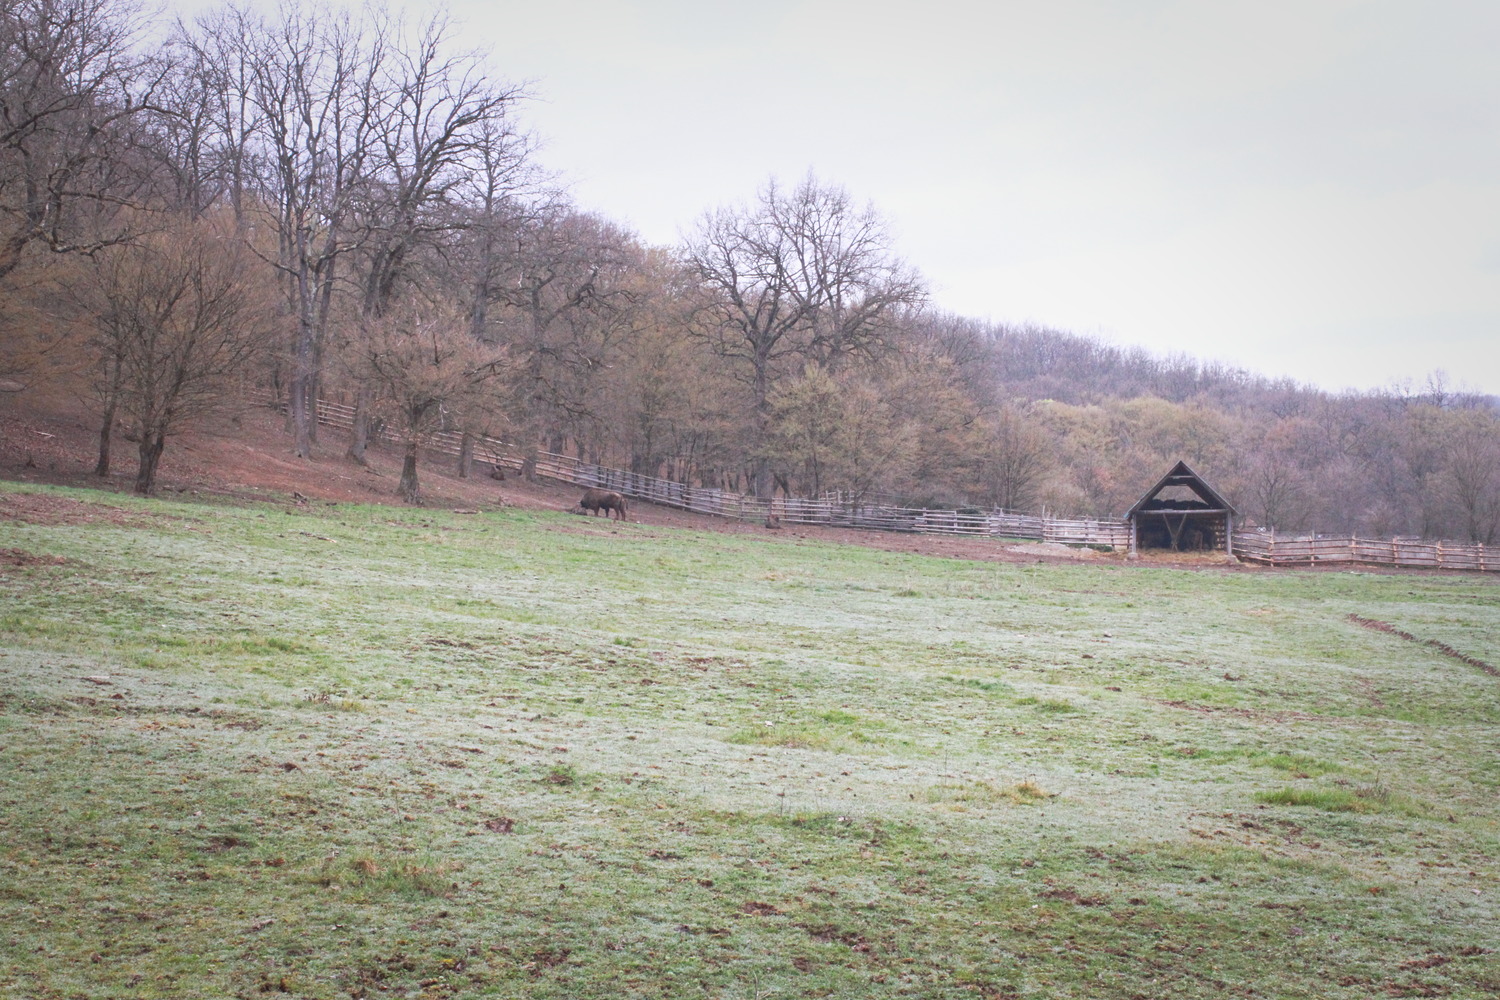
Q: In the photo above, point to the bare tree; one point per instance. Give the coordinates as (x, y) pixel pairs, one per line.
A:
(73, 88)
(845, 270)
(443, 121)
(425, 373)
(562, 295)
(191, 156)
(1473, 473)
(1276, 489)
(181, 319)
(300, 97)
(1015, 456)
(497, 209)
(841, 431)
(1274, 480)
(215, 57)
(70, 84)
(800, 274)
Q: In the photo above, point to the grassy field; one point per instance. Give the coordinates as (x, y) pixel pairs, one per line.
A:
(347, 751)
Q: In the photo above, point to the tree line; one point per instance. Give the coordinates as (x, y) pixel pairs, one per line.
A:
(336, 204)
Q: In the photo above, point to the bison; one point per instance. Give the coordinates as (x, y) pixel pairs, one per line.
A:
(604, 501)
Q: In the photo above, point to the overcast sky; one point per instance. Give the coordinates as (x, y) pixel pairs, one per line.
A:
(1307, 189)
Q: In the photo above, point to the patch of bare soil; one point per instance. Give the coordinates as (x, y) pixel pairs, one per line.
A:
(40, 508)
(246, 454)
(1055, 550)
(20, 557)
(1072, 896)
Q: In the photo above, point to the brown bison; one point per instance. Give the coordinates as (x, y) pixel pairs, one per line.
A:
(604, 501)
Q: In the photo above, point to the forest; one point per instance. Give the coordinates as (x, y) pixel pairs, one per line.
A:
(321, 203)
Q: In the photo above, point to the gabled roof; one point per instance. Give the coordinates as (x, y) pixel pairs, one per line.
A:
(1181, 475)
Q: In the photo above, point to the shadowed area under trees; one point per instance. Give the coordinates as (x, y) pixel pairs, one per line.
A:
(356, 169)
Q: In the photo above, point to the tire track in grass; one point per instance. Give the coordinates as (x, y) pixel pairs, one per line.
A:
(1441, 647)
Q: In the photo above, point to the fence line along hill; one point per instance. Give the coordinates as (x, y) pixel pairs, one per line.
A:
(1250, 544)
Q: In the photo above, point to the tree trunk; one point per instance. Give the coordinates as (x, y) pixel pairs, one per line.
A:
(760, 463)
(297, 411)
(761, 484)
(302, 403)
(359, 434)
(314, 393)
(106, 431)
(152, 443)
(115, 366)
(410, 489)
(465, 455)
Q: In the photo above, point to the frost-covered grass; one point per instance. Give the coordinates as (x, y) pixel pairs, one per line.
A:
(359, 751)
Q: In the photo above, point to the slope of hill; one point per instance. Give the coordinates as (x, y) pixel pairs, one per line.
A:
(246, 455)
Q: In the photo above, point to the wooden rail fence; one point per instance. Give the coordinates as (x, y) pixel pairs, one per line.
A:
(1317, 550)
(834, 510)
(846, 512)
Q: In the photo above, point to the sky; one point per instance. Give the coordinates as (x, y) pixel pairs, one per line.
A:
(1305, 188)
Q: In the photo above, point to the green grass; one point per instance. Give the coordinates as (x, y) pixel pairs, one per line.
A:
(1365, 799)
(374, 752)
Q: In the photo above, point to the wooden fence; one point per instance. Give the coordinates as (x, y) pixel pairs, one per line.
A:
(834, 510)
(485, 449)
(1317, 550)
(844, 511)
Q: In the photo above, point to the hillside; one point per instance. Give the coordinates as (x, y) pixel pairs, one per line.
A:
(246, 455)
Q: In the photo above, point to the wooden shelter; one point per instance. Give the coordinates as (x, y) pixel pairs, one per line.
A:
(1182, 512)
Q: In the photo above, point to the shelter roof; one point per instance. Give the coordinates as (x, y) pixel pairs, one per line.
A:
(1181, 475)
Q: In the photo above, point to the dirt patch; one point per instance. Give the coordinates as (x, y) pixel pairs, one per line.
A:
(244, 453)
(19, 557)
(1368, 690)
(1426, 962)
(1072, 896)
(1280, 716)
(42, 508)
(1053, 550)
